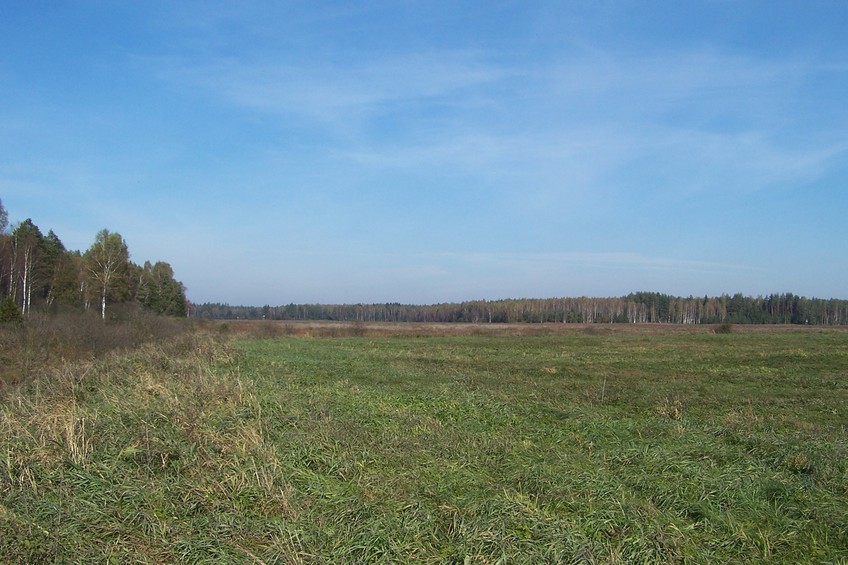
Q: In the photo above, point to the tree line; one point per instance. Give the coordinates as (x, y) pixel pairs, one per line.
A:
(640, 307)
(37, 272)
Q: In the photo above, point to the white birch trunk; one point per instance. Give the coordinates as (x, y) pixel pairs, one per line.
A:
(25, 282)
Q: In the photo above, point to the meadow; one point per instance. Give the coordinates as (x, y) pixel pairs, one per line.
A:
(575, 444)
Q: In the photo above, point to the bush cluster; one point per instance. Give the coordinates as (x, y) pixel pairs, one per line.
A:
(30, 347)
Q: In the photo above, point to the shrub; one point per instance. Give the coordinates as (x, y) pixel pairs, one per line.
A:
(44, 341)
(9, 312)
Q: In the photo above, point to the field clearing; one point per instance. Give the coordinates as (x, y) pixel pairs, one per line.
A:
(608, 444)
(323, 328)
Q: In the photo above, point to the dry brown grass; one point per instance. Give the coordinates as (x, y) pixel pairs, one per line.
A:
(47, 342)
(271, 329)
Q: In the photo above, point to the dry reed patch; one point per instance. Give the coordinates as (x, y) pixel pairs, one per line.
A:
(741, 419)
(318, 329)
(670, 409)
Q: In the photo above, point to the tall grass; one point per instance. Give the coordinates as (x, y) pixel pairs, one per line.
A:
(97, 454)
(46, 341)
(599, 448)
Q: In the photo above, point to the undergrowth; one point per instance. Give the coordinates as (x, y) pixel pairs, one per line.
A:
(44, 341)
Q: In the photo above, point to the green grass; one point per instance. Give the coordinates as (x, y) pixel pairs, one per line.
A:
(616, 448)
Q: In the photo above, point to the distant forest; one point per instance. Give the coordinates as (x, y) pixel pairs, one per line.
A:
(640, 307)
(37, 273)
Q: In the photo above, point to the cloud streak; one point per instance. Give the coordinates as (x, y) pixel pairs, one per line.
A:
(334, 93)
(710, 118)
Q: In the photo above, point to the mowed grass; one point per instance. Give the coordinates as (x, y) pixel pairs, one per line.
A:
(608, 448)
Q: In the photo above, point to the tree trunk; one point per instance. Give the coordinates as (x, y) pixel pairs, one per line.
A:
(26, 282)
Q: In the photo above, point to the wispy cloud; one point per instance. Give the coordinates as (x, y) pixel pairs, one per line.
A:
(734, 163)
(333, 93)
(698, 120)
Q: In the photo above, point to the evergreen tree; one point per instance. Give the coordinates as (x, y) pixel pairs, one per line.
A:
(4, 218)
(160, 292)
(9, 312)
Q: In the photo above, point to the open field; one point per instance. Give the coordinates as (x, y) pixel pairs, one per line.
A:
(309, 328)
(596, 444)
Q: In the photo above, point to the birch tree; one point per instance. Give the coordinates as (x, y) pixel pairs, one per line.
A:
(27, 244)
(107, 263)
(5, 254)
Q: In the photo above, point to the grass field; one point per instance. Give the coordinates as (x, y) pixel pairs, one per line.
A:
(591, 446)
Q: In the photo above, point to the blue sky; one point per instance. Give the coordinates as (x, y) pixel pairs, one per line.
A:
(422, 152)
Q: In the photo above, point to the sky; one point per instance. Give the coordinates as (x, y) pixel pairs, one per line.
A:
(424, 152)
